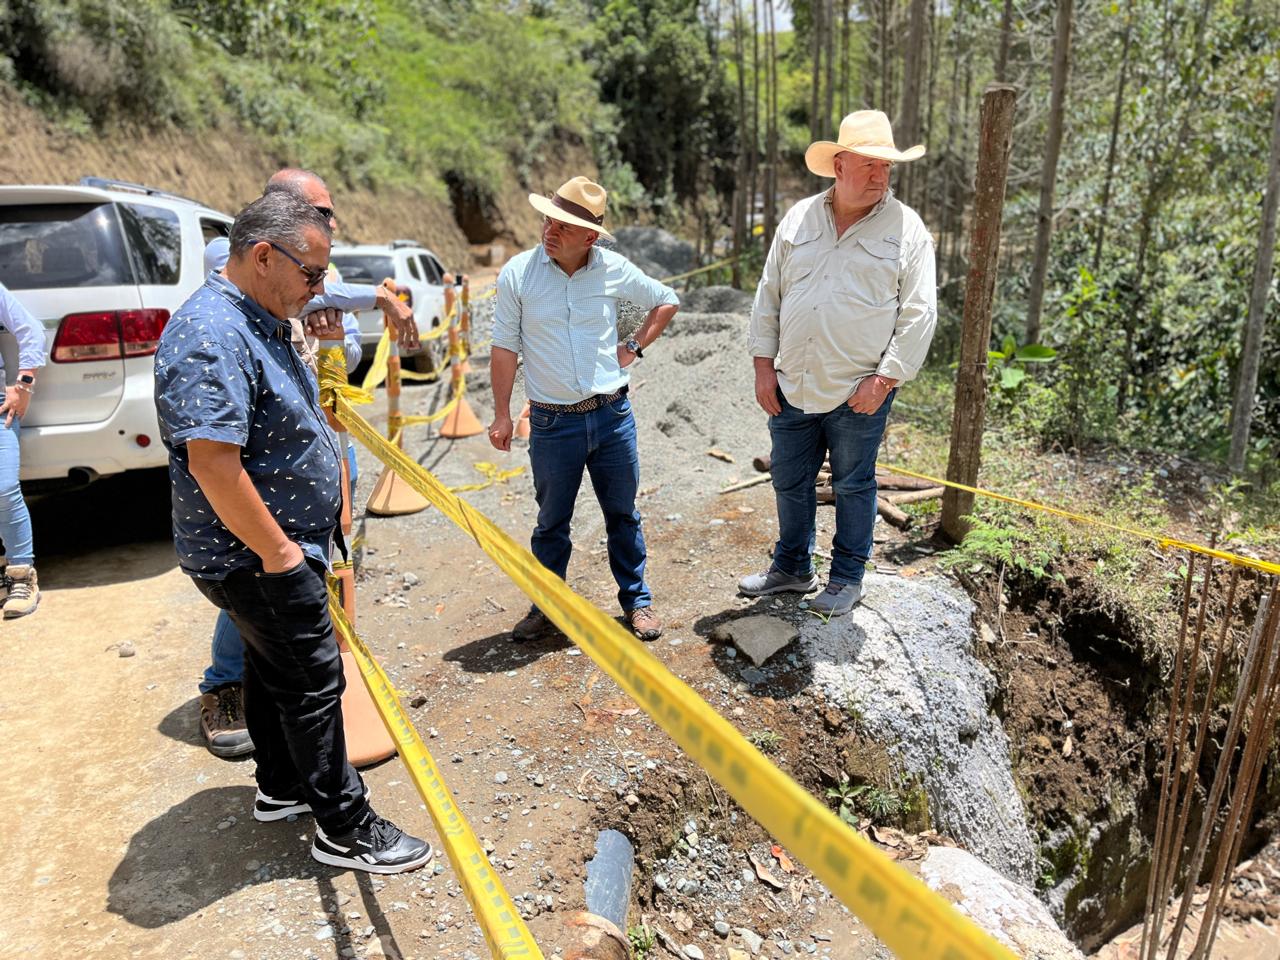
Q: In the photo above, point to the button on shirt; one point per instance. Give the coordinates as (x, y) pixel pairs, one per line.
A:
(832, 310)
(567, 326)
(225, 371)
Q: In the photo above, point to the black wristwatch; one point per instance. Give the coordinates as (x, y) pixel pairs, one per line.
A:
(634, 346)
(26, 378)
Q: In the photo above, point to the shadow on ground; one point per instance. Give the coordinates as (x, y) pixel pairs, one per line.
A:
(181, 863)
(127, 515)
(498, 653)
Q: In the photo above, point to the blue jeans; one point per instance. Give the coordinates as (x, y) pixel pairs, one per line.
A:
(15, 521)
(800, 443)
(603, 442)
(226, 652)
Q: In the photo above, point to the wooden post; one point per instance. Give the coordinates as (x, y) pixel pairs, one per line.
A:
(392, 496)
(996, 139)
(464, 325)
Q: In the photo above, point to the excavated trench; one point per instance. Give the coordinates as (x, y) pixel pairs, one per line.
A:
(1079, 691)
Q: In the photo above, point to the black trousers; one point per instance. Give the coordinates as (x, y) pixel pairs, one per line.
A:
(293, 687)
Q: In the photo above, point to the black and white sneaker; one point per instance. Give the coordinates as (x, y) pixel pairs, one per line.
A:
(376, 846)
(269, 809)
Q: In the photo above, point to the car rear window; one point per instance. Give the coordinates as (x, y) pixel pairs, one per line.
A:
(363, 267)
(62, 245)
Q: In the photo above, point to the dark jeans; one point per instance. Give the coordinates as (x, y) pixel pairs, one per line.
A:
(603, 442)
(800, 443)
(293, 687)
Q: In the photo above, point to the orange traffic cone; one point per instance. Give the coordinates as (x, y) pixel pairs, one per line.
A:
(392, 496)
(461, 421)
(522, 424)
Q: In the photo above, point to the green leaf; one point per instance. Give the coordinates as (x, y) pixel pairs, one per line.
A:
(1035, 353)
(997, 355)
(1009, 346)
(1010, 377)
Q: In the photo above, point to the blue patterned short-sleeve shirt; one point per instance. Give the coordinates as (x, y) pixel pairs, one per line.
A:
(226, 371)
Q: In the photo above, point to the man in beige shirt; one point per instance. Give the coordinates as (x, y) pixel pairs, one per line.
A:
(844, 313)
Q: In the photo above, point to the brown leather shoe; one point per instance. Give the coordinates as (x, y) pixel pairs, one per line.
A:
(645, 623)
(534, 625)
(222, 722)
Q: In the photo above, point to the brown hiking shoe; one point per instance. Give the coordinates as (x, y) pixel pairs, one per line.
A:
(645, 623)
(534, 625)
(222, 722)
(24, 591)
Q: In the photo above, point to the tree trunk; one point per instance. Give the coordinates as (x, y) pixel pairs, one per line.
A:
(1049, 172)
(829, 104)
(885, 92)
(816, 8)
(1247, 382)
(915, 56)
(845, 106)
(741, 190)
(755, 115)
(926, 203)
(1116, 112)
(1006, 35)
(771, 119)
(996, 138)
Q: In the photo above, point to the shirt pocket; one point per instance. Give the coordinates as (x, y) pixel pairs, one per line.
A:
(802, 258)
(870, 273)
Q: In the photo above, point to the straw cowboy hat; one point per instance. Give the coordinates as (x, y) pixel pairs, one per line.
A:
(865, 132)
(579, 202)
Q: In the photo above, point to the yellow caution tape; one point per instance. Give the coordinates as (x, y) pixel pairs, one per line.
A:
(914, 921)
(497, 915)
(1164, 543)
(694, 273)
(377, 371)
(492, 473)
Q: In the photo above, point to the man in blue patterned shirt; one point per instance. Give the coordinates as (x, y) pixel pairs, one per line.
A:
(255, 474)
(557, 304)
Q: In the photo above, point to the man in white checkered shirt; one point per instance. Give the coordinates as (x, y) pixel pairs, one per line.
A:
(557, 304)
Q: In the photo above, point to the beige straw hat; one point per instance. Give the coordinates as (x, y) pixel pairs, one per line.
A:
(865, 132)
(579, 201)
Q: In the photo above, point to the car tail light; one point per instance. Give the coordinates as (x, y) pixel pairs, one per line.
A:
(87, 336)
(108, 335)
(140, 330)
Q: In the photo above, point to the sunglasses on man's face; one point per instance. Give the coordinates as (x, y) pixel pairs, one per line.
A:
(314, 275)
(326, 212)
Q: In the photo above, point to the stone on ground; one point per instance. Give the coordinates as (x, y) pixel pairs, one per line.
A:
(759, 637)
(1009, 912)
(903, 662)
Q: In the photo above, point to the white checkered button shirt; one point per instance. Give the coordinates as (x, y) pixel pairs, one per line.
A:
(567, 327)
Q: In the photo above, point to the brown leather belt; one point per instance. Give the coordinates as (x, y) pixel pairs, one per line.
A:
(582, 406)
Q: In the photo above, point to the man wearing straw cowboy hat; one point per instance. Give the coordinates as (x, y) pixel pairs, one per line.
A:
(844, 313)
(558, 305)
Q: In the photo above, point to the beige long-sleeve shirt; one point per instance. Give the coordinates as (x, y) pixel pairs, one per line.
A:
(832, 310)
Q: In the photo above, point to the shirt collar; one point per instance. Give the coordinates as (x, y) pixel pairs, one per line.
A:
(269, 325)
(829, 199)
(593, 258)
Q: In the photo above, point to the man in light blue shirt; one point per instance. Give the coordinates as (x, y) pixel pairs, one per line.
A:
(557, 304)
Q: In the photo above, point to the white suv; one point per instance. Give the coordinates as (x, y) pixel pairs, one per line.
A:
(411, 266)
(102, 265)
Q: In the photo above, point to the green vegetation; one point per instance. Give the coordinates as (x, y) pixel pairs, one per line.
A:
(642, 940)
(880, 805)
(766, 741)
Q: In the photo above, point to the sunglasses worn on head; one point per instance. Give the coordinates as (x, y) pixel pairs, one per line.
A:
(314, 275)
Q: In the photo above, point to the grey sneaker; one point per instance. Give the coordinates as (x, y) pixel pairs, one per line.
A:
(775, 581)
(837, 600)
(24, 591)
